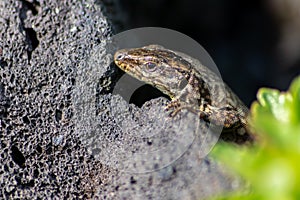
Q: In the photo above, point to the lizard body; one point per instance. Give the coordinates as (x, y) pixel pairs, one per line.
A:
(185, 80)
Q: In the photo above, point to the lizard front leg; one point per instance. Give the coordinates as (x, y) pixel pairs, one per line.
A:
(176, 106)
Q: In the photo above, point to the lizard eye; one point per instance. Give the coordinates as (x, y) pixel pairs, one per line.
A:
(151, 66)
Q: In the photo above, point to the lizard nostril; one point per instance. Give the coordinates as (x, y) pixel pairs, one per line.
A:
(119, 56)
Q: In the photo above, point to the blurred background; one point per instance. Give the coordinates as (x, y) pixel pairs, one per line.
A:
(254, 43)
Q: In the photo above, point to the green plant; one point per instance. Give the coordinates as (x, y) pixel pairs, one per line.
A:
(272, 165)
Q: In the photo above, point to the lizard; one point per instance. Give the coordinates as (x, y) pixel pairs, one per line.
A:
(189, 84)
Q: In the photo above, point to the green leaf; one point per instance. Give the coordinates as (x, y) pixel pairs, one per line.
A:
(271, 165)
(274, 103)
(295, 92)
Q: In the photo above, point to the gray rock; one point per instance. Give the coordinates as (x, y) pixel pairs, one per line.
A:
(62, 132)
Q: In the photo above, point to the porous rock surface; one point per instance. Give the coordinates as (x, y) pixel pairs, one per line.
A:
(58, 119)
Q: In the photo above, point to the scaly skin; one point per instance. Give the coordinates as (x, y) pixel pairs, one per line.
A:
(188, 83)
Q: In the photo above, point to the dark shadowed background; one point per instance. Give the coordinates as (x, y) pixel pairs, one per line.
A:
(254, 43)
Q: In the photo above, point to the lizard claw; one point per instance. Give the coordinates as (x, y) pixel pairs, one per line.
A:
(173, 105)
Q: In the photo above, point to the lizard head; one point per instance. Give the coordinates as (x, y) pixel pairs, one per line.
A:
(157, 66)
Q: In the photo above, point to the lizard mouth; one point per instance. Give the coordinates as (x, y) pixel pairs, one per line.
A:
(124, 67)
